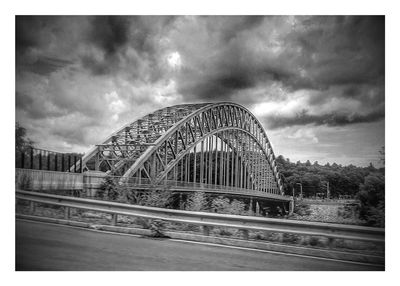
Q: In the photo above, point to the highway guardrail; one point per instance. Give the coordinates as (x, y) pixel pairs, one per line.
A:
(244, 223)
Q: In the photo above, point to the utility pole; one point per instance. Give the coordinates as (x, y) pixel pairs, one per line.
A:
(301, 190)
(327, 190)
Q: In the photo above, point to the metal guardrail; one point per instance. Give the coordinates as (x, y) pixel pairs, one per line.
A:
(331, 231)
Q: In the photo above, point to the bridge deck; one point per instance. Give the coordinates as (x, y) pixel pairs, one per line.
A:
(214, 189)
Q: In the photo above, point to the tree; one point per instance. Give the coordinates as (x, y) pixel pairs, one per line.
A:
(197, 202)
(21, 142)
(372, 199)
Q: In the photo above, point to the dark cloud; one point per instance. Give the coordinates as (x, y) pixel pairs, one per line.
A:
(47, 65)
(96, 67)
(115, 35)
(329, 57)
(331, 119)
(22, 100)
(331, 51)
(103, 68)
(233, 26)
(27, 30)
(343, 50)
(110, 33)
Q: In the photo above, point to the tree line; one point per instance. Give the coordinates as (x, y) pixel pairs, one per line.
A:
(365, 184)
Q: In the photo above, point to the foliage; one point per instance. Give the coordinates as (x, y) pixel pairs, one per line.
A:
(157, 228)
(156, 198)
(23, 182)
(197, 202)
(372, 199)
(348, 211)
(144, 222)
(223, 205)
(109, 190)
(343, 180)
(21, 142)
(302, 209)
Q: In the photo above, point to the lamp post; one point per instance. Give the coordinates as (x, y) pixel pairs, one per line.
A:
(301, 190)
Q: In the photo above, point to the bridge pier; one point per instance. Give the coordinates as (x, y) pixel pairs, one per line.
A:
(92, 181)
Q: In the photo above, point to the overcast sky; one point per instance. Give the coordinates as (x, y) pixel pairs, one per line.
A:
(315, 83)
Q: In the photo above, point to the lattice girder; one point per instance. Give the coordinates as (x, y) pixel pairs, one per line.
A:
(155, 144)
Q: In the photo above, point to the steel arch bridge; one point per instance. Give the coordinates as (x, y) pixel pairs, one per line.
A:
(215, 146)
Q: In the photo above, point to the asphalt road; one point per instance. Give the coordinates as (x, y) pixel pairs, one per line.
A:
(41, 246)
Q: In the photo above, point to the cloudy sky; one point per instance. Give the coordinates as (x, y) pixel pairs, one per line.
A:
(315, 83)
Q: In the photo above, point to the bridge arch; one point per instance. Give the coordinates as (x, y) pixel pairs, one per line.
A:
(192, 143)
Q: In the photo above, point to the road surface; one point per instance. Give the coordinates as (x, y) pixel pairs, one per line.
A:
(41, 246)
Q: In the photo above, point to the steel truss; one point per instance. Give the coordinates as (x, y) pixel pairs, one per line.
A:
(210, 144)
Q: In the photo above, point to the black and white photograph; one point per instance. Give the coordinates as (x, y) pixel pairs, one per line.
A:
(200, 142)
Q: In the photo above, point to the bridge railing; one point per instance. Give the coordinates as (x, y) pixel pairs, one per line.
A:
(206, 220)
(41, 159)
(47, 180)
(144, 183)
(91, 181)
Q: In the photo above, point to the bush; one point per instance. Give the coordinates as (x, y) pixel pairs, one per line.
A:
(223, 205)
(23, 182)
(225, 232)
(109, 189)
(143, 222)
(157, 227)
(197, 202)
(302, 210)
(156, 198)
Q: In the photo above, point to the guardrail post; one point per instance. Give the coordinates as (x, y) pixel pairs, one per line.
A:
(67, 213)
(114, 218)
(32, 207)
